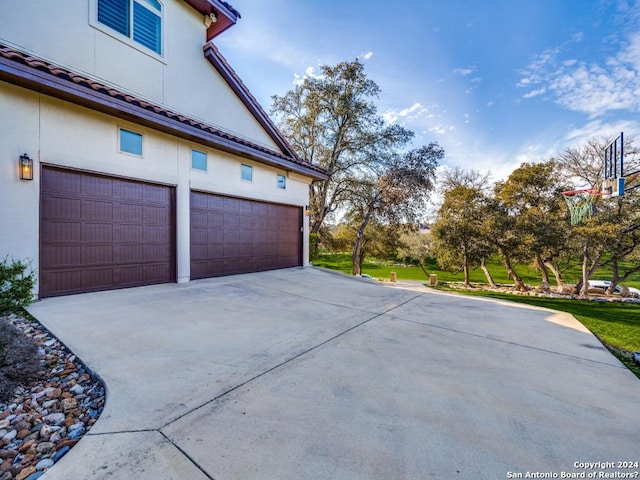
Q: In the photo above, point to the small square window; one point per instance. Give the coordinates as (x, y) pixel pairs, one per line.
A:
(130, 142)
(247, 173)
(198, 160)
(282, 181)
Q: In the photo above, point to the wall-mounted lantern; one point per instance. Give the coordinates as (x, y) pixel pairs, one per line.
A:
(306, 210)
(26, 167)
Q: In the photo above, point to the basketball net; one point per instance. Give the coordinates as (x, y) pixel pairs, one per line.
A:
(580, 203)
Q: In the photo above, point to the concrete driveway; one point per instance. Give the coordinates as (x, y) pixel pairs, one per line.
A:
(305, 374)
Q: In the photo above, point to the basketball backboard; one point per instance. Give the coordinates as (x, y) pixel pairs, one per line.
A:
(613, 168)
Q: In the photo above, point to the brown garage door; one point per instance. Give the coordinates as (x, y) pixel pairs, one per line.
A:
(233, 235)
(101, 233)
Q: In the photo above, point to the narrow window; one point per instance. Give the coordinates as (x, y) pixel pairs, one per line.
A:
(247, 173)
(198, 160)
(130, 142)
(146, 24)
(282, 181)
(140, 20)
(115, 14)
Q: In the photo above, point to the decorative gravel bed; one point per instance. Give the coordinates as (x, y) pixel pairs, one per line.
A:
(43, 421)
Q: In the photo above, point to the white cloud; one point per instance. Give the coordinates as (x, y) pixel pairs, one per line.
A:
(535, 93)
(309, 72)
(441, 129)
(367, 56)
(593, 88)
(463, 71)
(411, 113)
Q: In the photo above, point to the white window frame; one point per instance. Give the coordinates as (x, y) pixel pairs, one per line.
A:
(128, 40)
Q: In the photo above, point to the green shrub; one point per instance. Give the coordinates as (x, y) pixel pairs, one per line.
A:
(16, 285)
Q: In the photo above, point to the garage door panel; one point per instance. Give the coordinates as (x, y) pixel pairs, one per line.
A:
(215, 236)
(231, 236)
(199, 251)
(97, 278)
(242, 236)
(97, 186)
(231, 221)
(154, 234)
(61, 255)
(214, 203)
(215, 221)
(155, 253)
(97, 255)
(131, 213)
(127, 190)
(102, 244)
(61, 208)
(97, 232)
(60, 231)
(62, 281)
(214, 251)
(130, 233)
(97, 210)
(246, 223)
(129, 253)
(57, 181)
(155, 194)
(154, 215)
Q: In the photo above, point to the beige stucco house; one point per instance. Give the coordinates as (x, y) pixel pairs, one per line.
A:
(151, 161)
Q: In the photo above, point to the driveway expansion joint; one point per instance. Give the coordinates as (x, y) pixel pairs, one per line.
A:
(287, 361)
(508, 342)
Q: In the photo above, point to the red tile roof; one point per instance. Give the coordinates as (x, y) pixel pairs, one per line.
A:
(37, 74)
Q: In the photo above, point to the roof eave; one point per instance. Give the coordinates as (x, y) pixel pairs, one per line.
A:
(225, 15)
(42, 82)
(213, 55)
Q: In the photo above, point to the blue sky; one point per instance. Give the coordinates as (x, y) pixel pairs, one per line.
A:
(495, 83)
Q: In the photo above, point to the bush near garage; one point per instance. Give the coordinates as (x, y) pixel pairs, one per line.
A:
(19, 359)
(16, 285)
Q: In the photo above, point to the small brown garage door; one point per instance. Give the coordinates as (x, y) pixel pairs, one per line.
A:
(101, 233)
(233, 235)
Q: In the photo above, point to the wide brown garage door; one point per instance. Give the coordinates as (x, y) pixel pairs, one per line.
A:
(101, 233)
(233, 235)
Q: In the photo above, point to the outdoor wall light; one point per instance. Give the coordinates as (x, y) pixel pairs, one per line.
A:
(306, 210)
(26, 167)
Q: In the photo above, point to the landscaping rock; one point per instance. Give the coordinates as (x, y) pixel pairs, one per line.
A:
(43, 421)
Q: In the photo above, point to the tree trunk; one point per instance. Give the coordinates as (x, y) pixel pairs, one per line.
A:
(584, 291)
(512, 273)
(320, 202)
(426, 274)
(487, 273)
(615, 276)
(556, 273)
(355, 257)
(543, 268)
(465, 269)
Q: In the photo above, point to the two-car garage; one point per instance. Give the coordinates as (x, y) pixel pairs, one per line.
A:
(99, 233)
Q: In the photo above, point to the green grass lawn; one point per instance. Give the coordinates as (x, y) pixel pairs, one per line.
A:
(381, 269)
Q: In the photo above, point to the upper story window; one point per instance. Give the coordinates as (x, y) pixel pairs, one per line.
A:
(140, 20)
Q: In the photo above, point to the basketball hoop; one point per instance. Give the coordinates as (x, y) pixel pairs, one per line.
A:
(580, 203)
